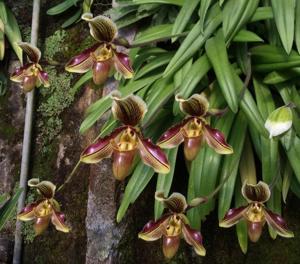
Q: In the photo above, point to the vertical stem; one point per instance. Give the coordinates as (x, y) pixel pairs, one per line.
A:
(26, 139)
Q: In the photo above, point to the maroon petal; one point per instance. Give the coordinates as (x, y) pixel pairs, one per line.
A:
(44, 78)
(29, 83)
(101, 71)
(58, 220)
(170, 246)
(193, 238)
(20, 73)
(254, 230)
(123, 65)
(101, 149)
(191, 147)
(122, 163)
(233, 216)
(172, 137)
(216, 140)
(154, 230)
(41, 224)
(82, 62)
(27, 212)
(153, 156)
(278, 224)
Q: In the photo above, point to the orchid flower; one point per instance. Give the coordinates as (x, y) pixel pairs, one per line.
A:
(103, 55)
(174, 225)
(125, 141)
(45, 209)
(31, 74)
(255, 213)
(194, 129)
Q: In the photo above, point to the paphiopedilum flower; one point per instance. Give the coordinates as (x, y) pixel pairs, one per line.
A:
(255, 213)
(44, 210)
(31, 74)
(102, 56)
(174, 225)
(194, 129)
(125, 142)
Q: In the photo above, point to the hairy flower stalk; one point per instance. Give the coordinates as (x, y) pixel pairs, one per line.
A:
(255, 213)
(31, 74)
(45, 209)
(194, 129)
(103, 56)
(174, 225)
(125, 142)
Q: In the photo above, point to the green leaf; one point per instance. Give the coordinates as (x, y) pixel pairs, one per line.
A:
(168, 2)
(231, 164)
(183, 17)
(247, 36)
(161, 91)
(247, 166)
(291, 144)
(153, 64)
(276, 77)
(204, 6)
(2, 44)
(153, 33)
(11, 29)
(297, 26)
(249, 107)
(194, 41)
(82, 80)
(216, 51)
(262, 13)
(286, 182)
(197, 71)
(236, 14)
(136, 184)
(284, 15)
(61, 7)
(269, 147)
(241, 227)
(270, 58)
(204, 173)
(8, 208)
(164, 181)
(72, 19)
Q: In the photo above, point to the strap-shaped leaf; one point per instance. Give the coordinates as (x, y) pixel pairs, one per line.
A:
(183, 17)
(284, 15)
(137, 183)
(206, 163)
(153, 33)
(61, 7)
(216, 51)
(236, 14)
(195, 40)
(164, 181)
(11, 29)
(8, 208)
(204, 6)
(168, 2)
(241, 227)
(231, 163)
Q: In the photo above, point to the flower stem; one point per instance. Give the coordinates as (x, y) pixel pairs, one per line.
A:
(70, 176)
